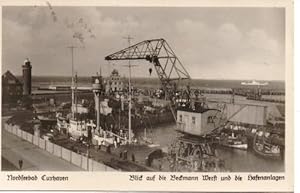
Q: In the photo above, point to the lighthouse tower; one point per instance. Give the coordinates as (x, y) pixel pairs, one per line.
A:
(27, 77)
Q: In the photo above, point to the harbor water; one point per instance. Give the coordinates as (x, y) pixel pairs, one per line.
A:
(235, 160)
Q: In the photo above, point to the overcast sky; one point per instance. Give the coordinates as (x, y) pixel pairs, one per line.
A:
(212, 43)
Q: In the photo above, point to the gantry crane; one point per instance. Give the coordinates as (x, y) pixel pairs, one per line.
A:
(168, 67)
(171, 72)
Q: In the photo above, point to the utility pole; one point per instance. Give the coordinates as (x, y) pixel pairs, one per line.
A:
(99, 104)
(100, 70)
(75, 98)
(72, 86)
(128, 38)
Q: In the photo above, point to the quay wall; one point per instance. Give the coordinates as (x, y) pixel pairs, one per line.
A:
(36, 140)
(74, 158)
(29, 138)
(57, 150)
(42, 143)
(19, 132)
(84, 163)
(14, 130)
(66, 154)
(49, 147)
(24, 135)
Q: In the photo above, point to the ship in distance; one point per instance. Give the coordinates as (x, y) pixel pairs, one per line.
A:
(254, 83)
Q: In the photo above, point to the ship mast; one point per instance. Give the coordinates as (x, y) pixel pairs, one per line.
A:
(76, 100)
(129, 95)
(72, 85)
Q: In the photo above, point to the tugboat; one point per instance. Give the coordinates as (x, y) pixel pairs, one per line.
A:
(234, 142)
(262, 146)
(233, 138)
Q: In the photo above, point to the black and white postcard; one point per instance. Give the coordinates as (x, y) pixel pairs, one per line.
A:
(140, 96)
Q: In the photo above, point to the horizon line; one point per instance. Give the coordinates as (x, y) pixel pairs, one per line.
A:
(158, 78)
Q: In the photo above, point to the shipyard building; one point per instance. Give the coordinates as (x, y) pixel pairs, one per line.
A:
(114, 82)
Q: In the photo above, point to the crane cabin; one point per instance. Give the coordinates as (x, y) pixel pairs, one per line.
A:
(198, 122)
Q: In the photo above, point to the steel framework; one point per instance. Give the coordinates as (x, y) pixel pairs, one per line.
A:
(158, 52)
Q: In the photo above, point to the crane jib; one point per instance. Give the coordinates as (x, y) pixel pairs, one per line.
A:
(136, 58)
(167, 65)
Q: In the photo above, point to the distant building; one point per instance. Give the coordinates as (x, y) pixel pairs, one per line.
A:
(12, 88)
(114, 82)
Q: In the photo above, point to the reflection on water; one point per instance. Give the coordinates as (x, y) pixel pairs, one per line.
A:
(235, 160)
(248, 161)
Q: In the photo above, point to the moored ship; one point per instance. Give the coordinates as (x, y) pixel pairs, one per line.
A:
(264, 147)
